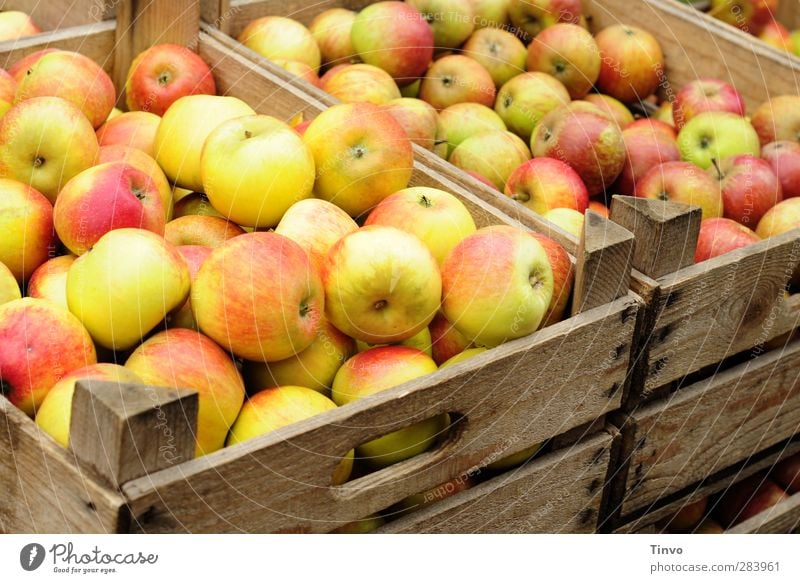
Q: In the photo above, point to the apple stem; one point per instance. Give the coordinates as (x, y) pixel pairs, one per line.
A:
(380, 304)
(38, 161)
(720, 175)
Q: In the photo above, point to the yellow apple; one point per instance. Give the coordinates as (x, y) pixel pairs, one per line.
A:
(126, 285)
(275, 37)
(362, 83)
(435, 217)
(382, 285)
(421, 341)
(9, 288)
(278, 407)
(379, 369)
(55, 413)
(184, 358)
(26, 228)
(49, 281)
(44, 142)
(200, 230)
(462, 356)
(183, 131)
(515, 459)
(569, 220)
(15, 24)
(254, 168)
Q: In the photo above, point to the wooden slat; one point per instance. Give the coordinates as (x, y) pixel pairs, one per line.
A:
(712, 425)
(43, 490)
(789, 14)
(96, 41)
(60, 14)
(301, 10)
(783, 518)
(559, 493)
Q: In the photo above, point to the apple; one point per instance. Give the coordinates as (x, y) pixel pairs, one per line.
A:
(493, 154)
(278, 407)
(654, 125)
(515, 459)
(170, 359)
(54, 414)
(301, 70)
(9, 288)
(462, 356)
(19, 69)
(446, 341)
(749, 187)
(195, 204)
(363, 526)
(143, 163)
(418, 118)
(568, 220)
(563, 279)
(463, 120)
(491, 13)
(362, 155)
(183, 131)
(194, 256)
(121, 301)
(781, 218)
(315, 367)
(417, 502)
(73, 77)
(40, 342)
(685, 183)
(568, 53)
(748, 498)
(480, 178)
(646, 148)
(316, 225)
(525, 99)
(362, 83)
(795, 36)
(115, 112)
(395, 37)
(421, 341)
(688, 517)
(584, 137)
(531, 17)
(452, 21)
(632, 63)
(331, 72)
(497, 285)
(376, 370)
(255, 195)
(457, 79)
(715, 135)
(664, 113)
(255, 317)
(719, 236)
(276, 37)
(778, 119)
(435, 217)
(500, 52)
(598, 207)
(411, 90)
(331, 29)
(135, 129)
(614, 108)
(201, 230)
(26, 228)
(15, 25)
(162, 74)
(787, 474)
(103, 198)
(382, 285)
(702, 95)
(542, 184)
(44, 142)
(784, 158)
(8, 89)
(749, 15)
(778, 36)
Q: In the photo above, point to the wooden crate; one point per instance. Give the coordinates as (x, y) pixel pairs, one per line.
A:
(506, 400)
(684, 328)
(781, 519)
(672, 443)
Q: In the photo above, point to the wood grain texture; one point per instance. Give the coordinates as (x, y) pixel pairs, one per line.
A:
(695, 45)
(720, 307)
(123, 431)
(783, 518)
(665, 232)
(511, 398)
(559, 493)
(300, 10)
(59, 14)
(714, 424)
(789, 14)
(43, 490)
(96, 41)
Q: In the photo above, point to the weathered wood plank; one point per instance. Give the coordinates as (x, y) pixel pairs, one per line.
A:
(783, 518)
(43, 490)
(59, 14)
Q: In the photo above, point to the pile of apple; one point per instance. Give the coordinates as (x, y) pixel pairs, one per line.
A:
(757, 17)
(191, 242)
(548, 124)
(741, 501)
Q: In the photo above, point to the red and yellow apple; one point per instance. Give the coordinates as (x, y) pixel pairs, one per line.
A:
(493, 154)
(446, 340)
(568, 220)
(784, 158)
(194, 255)
(685, 183)
(646, 148)
(781, 218)
(331, 29)
(632, 64)
(19, 69)
(778, 119)
(418, 118)
(9, 288)
(500, 52)
(457, 79)
(276, 37)
(704, 95)
(570, 54)
(542, 184)
(49, 281)
(26, 228)
(15, 24)
(463, 120)
(614, 108)
(563, 279)
(749, 188)
(452, 21)
(719, 236)
(526, 99)
(362, 83)
(135, 129)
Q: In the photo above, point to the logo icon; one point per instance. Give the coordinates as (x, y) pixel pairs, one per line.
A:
(31, 556)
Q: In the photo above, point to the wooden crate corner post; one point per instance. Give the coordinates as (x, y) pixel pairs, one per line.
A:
(122, 431)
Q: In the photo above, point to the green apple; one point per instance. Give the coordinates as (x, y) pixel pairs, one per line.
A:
(492, 154)
(463, 120)
(715, 135)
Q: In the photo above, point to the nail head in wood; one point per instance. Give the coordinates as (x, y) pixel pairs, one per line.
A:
(665, 232)
(124, 431)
